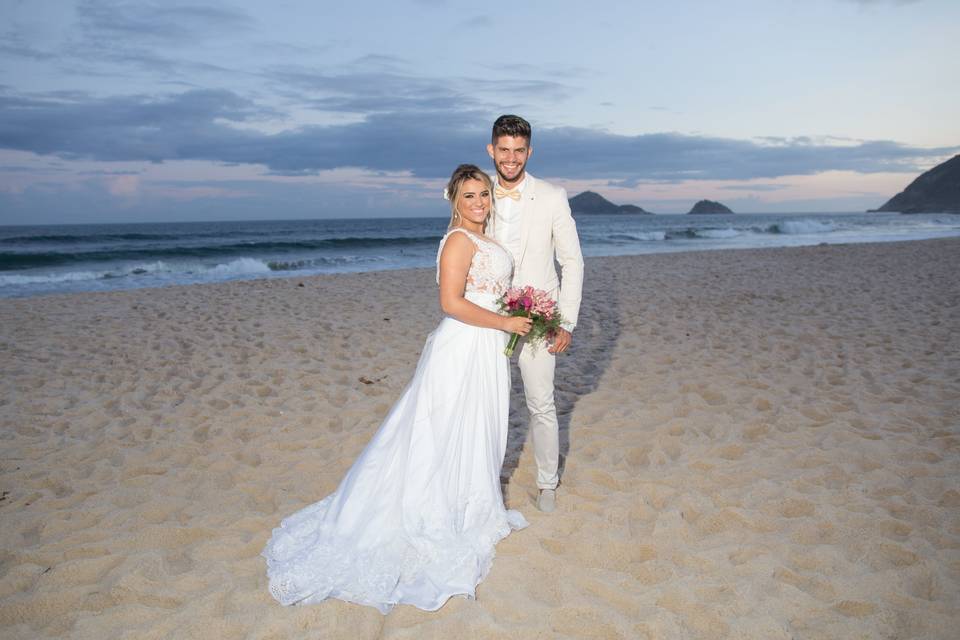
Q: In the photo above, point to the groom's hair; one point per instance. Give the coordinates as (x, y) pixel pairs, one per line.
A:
(513, 126)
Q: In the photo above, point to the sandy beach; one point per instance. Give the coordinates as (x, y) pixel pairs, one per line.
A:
(760, 444)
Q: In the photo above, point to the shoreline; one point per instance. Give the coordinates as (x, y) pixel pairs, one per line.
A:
(758, 443)
(116, 258)
(589, 259)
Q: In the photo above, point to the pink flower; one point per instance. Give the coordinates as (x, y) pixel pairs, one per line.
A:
(535, 304)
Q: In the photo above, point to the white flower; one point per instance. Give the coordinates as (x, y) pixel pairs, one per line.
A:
(446, 194)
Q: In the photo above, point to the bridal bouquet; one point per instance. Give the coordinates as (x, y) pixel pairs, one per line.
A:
(536, 305)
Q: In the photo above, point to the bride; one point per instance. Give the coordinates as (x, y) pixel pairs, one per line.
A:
(415, 519)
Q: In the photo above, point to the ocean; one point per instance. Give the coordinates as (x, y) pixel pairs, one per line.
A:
(38, 260)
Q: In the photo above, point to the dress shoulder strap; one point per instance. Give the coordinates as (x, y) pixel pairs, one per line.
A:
(470, 234)
(443, 241)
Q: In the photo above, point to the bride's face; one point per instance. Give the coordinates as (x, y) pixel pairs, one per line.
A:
(473, 202)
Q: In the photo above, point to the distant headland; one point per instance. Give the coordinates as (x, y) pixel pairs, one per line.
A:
(934, 191)
(591, 202)
(709, 206)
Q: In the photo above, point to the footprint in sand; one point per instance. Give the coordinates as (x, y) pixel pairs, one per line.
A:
(855, 608)
(218, 404)
(814, 587)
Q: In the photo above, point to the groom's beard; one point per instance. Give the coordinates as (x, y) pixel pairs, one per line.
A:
(516, 178)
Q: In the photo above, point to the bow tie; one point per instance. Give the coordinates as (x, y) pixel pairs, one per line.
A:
(513, 194)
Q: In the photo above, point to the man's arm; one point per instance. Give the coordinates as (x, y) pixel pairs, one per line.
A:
(567, 248)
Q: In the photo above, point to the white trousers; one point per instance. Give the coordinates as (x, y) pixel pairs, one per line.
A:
(537, 367)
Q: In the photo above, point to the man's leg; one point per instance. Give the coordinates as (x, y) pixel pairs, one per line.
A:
(537, 368)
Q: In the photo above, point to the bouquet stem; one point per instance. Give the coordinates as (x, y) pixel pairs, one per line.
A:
(512, 344)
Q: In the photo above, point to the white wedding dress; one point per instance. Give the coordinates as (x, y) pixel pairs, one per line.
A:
(416, 518)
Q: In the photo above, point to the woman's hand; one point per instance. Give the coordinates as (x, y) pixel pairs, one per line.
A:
(517, 324)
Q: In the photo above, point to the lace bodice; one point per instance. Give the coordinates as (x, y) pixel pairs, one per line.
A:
(491, 268)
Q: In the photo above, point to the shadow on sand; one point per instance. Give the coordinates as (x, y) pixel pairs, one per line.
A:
(578, 372)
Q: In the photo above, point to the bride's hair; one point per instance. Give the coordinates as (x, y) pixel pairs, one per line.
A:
(460, 175)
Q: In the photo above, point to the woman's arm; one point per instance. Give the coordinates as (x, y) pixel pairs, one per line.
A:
(454, 266)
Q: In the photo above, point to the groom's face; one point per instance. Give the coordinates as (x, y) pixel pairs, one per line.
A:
(510, 156)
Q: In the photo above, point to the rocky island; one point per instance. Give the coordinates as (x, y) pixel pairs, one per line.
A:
(591, 202)
(709, 206)
(934, 191)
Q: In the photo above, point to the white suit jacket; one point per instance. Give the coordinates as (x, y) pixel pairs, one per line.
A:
(547, 230)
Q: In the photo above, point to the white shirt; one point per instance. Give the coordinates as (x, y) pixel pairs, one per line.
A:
(508, 222)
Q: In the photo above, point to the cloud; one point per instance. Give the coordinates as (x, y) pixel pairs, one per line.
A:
(425, 135)
(111, 40)
(372, 87)
(164, 22)
(120, 128)
(14, 168)
(110, 172)
(123, 186)
(754, 187)
(13, 44)
(90, 201)
(674, 156)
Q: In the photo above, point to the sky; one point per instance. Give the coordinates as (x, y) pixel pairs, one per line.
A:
(178, 111)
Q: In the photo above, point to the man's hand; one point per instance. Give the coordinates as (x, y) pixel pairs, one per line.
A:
(561, 341)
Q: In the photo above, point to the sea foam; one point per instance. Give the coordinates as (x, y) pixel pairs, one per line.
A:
(798, 227)
(718, 233)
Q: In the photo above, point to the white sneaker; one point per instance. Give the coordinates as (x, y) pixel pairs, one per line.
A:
(547, 501)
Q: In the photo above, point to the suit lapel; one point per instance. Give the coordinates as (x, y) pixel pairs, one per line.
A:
(526, 213)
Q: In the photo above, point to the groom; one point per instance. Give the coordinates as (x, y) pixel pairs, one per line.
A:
(534, 223)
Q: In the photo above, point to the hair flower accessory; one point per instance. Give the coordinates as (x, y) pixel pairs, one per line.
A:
(446, 194)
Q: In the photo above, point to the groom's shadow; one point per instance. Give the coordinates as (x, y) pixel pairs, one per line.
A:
(578, 372)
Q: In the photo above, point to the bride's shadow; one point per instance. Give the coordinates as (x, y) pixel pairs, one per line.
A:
(578, 372)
